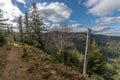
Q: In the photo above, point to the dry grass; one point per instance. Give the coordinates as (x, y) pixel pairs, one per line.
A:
(41, 66)
(36, 65)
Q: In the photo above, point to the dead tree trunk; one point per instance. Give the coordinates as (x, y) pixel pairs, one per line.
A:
(86, 51)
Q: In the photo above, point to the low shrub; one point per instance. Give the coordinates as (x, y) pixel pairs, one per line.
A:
(24, 53)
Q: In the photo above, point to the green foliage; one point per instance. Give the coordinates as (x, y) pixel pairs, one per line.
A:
(96, 77)
(110, 51)
(70, 57)
(80, 41)
(2, 40)
(8, 47)
(116, 66)
(110, 72)
(32, 33)
(2, 20)
(96, 62)
(25, 54)
(36, 26)
(20, 28)
(36, 44)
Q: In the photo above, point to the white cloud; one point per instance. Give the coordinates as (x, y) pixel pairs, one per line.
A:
(105, 30)
(103, 7)
(110, 32)
(72, 21)
(10, 11)
(97, 29)
(90, 3)
(76, 25)
(55, 12)
(108, 20)
(21, 1)
(82, 29)
(51, 26)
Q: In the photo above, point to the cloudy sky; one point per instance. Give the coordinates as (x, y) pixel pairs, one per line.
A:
(102, 16)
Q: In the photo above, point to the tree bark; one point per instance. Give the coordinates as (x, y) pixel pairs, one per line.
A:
(86, 51)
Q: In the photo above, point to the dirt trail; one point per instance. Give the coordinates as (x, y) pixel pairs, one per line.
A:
(14, 69)
(3, 50)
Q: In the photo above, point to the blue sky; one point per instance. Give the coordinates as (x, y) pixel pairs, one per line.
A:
(79, 11)
(102, 16)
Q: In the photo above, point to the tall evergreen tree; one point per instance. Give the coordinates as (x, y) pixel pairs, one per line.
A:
(20, 28)
(2, 20)
(27, 27)
(117, 68)
(96, 62)
(37, 23)
(2, 23)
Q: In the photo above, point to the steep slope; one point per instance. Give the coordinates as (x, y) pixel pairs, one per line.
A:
(41, 66)
(33, 64)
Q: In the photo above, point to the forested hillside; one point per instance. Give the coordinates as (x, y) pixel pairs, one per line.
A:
(34, 48)
(110, 44)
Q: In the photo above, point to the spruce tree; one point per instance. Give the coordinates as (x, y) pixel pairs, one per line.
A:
(2, 24)
(27, 27)
(36, 25)
(2, 21)
(20, 28)
(96, 61)
(116, 66)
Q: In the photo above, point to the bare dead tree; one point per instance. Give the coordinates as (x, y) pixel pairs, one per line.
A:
(86, 51)
(59, 37)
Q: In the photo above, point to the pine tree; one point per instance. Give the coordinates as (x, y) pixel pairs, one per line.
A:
(28, 33)
(20, 28)
(117, 69)
(96, 62)
(2, 23)
(37, 23)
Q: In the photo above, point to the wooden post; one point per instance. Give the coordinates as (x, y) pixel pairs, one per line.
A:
(86, 51)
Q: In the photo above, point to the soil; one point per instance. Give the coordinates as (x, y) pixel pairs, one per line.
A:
(14, 68)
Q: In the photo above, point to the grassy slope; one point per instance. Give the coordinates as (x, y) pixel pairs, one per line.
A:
(41, 66)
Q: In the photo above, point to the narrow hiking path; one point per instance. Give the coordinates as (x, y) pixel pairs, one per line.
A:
(14, 68)
(3, 55)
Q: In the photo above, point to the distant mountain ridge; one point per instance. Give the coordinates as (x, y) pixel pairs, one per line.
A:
(110, 45)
